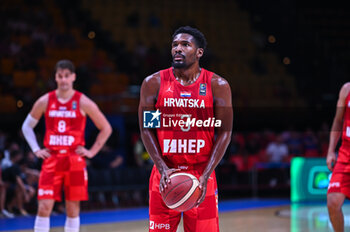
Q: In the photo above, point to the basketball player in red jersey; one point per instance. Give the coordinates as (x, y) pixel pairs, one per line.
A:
(65, 111)
(185, 93)
(339, 185)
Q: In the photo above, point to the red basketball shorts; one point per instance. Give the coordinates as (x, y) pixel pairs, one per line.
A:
(68, 170)
(203, 218)
(340, 180)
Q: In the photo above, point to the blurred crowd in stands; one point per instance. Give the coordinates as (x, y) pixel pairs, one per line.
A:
(246, 149)
(118, 178)
(34, 37)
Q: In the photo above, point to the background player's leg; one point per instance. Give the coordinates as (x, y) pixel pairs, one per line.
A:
(73, 208)
(42, 220)
(334, 203)
(73, 220)
(45, 207)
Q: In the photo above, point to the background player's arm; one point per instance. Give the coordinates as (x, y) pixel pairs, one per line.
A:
(337, 125)
(149, 91)
(91, 109)
(222, 111)
(29, 124)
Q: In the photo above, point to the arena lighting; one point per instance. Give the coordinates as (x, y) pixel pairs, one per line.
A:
(91, 35)
(19, 103)
(286, 60)
(271, 39)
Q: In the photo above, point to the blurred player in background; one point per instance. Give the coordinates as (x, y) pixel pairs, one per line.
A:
(65, 111)
(185, 91)
(339, 185)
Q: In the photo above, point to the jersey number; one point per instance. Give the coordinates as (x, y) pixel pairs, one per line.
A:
(61, 126)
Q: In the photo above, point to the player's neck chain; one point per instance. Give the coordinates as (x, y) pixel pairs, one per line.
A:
(189, 82)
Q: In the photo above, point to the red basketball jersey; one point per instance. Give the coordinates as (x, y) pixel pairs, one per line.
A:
(65, 125)
(344, 150)
(186, 134)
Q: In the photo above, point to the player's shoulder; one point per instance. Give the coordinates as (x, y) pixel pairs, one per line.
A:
(40, 105)
(43, 100)
(346, 86)
(85, 100)
(151, 84)
(345, 89)
(87, 105)
(219, 81)
(152, 79)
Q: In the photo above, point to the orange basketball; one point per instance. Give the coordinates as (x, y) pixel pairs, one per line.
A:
(182, 192)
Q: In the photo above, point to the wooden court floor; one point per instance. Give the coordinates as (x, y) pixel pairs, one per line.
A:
(294, 218)
(244, 221)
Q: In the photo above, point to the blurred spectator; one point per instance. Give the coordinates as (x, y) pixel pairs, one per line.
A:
(237, 143)
(30, 167)
(107, 158)
(236, 150)
(2, 140)
(32, 161)
(3, 188)
(15, 178)
(310, 142)
(6, 161)
(141, 156)
(277, 151)
(267, 136)
(323, 139)
(295, 143)
(253, 144)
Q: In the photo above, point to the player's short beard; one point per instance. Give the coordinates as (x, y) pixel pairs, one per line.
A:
(179, 65)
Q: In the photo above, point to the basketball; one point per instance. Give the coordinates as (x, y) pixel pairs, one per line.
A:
(182, 192)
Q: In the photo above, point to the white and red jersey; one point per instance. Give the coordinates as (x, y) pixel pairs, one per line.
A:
(65, 124)
(185, 145)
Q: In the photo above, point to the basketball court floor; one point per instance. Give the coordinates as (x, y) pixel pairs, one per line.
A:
(238, 215)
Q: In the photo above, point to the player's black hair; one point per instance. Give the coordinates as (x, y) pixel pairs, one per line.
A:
(65, 64)
(198, 36)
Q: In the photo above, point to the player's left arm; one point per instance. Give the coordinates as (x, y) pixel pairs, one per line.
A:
(222, 111)
(91, 109)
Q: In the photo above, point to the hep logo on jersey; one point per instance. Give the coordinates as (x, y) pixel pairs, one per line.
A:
(151, 119)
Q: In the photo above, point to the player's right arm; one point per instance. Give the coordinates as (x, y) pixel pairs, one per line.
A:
(29, 124)
(148, 95)
(337, 125)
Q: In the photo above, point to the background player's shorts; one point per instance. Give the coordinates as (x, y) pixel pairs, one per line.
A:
(340, 180)
(204, 218)
(68, 170)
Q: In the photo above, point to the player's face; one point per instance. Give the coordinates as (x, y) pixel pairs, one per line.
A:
(64, 79)
(185, 51)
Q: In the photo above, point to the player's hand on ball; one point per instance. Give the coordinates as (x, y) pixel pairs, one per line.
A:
(331, 160)
(82, 151)
(164, 179)
(203, 187)
(42, 153)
